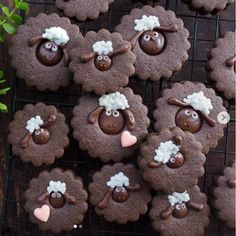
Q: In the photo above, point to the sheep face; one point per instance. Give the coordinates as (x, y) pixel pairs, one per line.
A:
(180, 210)
(103, 62)
(176, 160)
(49, 53)
(57, 199)
(41, 136)
(152, 42)
(188, 120)
(120, 194)
(111, 122)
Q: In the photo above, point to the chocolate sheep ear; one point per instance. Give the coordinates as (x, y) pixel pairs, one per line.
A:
(175, 101)
(134, 40)
(122, 49)
(87, 57)
(135, 187)
(154, 164)
(93, 116)
(69, 198)
(130, 119)
(208, 119)
(50, 122)
(178, 140)
(66, 56)
(231, 61)
(169, 29)
(34, 40)
(103, 204)
(43, 198)
(166, 213)
(196, 206)
(25, 141)
(231, 183)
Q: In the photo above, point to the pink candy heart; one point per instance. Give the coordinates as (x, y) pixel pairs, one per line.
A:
(42, 213)
(127, 139)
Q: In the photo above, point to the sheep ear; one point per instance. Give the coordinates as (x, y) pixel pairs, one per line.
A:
(66, 56)
(196, 206)
(134, 40)
(103, 204)
(175, 101)
(52, 119)
(178, 140)
(122, 49)
(25, 141)
(87, 57)
(93, 116)
(231, 183)
(34, 40)
(135, 187)
(130, 119)
(166, 213)
(208, 119)
(169, 29)
(154, 164)
(231, 61)
(69, 198)
(43, 198)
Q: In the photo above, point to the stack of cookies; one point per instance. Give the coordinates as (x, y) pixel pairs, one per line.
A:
(110, 122)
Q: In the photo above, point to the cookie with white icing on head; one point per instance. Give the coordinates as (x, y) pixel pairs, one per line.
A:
(111, 126)
(38, 134)
(119, 193)
(171, 160)
(102, 62)
(193, 108)
(159, 41)
(56, 200)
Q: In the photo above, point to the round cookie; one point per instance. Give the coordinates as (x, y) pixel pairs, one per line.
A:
(172, 160)
(223, 195)
(208, 6)
(81, 9)
(180, 214)
(119, 193)
(39, 51)
(194, 108)
(56, 200)
(38, 134)
(111, 126)
(102, 62)
(221, 65)
(159, 41)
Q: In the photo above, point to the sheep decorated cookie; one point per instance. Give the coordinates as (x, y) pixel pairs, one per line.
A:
(56, 200)
(102, 62)
(119, 193)
(172, 160)
(111, 126)
(158, 39)
(39, 51)
(180, 214)
(38, 134)
(193, 108)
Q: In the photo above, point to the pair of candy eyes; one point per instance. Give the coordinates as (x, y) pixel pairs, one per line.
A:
(114, 113)
(49, 46)
(56, 195)
(194, 114)
(120, 190)
(179, 207)
(147, 37)
(105, 58)
(37, 132)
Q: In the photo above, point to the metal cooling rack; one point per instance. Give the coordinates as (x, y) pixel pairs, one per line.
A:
(204, 30)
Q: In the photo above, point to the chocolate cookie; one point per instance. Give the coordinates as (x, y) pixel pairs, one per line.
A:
(223, 195)
(111, 126)
(180, 214)
(102, 62)
(38, 134)
(208, 6)
(119, 193)
(194, 108)
(172, 160)
(221, 65)
(159, 41)
(56, 200)
(39, 51)
(81, 9)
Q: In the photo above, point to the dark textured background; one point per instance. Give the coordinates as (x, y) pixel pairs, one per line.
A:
(15, 175)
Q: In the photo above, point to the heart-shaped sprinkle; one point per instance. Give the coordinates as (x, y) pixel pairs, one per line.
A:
(42, 213)
(127, 139)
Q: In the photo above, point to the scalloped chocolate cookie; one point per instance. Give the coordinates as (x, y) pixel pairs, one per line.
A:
(111, 126)
(39, 51)
(223, 195)
(194, 108)
(180, 214)
(119, 193)
(83, 9)
(172, 160)
(38, 134)
(102, 62)
(221, 65)
(208, 6)
(159, 41)
(56, 200)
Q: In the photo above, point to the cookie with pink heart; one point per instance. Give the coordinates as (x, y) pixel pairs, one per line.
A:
(111, 126)
(55, 197)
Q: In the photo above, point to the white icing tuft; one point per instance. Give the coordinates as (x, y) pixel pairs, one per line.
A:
(102, 47)
(165, 150)
(199, 102)
(178, 198)
(57, 35)
(113, 101)
(34, 123)
(56, 186)
(146, 23)
(118, 180)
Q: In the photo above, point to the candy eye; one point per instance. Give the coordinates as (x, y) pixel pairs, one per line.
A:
(194, 115)
(54, 195)
(58, 195)
(106, 58)
(178, 207)
(54, 48)
(187, 113)
(146, 37)
(172, 160)
(115, 113)
(122, 190)
(48, 45)
(108, 113)
(37, 132)
(99, 58)
(117, 189)
(155, 34)
(183, 206)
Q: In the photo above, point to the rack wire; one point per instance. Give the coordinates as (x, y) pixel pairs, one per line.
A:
(204, 30)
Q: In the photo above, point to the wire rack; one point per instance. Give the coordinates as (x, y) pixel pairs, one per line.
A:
(204, 30)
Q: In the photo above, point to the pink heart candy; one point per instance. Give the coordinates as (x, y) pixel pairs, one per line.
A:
(127, 139)
(42, 213)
